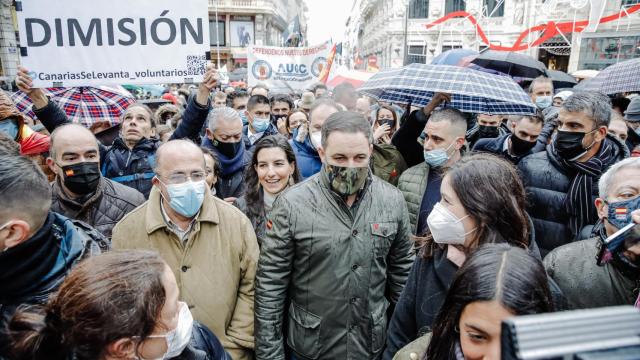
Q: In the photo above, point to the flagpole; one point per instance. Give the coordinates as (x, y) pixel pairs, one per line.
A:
(218, 32)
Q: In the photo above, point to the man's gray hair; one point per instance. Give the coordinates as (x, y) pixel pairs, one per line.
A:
(605, 180)
(540, 80)
(226, 114)
(64, 127)
(594, 104)
(346, 122)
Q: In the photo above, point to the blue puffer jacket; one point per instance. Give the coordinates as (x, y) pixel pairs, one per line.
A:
(307, 158)
(132, 167)
(32, 270)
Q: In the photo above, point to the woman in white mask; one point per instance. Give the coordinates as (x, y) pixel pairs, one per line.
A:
(482, 202)
(121, 305)
(273, 169)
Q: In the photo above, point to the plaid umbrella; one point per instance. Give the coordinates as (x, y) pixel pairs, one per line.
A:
(84, 105)
(472, 91)
(618, 78)
(510, 63)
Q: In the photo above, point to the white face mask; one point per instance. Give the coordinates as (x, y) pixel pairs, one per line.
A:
(178, 338)
(316, 139)
(445, 227)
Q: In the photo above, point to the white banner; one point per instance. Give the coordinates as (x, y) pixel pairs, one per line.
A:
(284, 69)
(97, 42)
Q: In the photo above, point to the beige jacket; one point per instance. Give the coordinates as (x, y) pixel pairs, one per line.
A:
(215, 267)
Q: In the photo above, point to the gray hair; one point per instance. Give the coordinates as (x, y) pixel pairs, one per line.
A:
(605, 180)
(540, 80)
(226, 114)
(323, 102)
(347, 122)
(20, 177)
(594, 104)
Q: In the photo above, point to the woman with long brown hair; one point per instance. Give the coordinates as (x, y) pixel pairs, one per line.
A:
(482, 202)
(119, 305)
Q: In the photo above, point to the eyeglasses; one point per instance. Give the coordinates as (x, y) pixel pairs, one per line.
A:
(195, 176)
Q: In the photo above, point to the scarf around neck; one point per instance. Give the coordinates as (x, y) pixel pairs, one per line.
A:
(578, 202)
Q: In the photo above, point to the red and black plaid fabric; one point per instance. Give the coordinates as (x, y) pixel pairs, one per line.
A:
(83, 105)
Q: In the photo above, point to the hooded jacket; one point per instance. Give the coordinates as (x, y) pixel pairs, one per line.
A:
(32, 270)
(109, 204)
(307, 158)
(547, 182)
(131, 167)
(328, 273)
(214, 267)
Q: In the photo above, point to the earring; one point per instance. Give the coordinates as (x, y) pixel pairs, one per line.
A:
(291, 182)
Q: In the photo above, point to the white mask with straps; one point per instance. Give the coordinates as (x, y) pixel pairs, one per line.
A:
(178, 338)
(445, 227)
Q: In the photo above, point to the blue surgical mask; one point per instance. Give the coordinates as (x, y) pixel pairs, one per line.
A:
(10, 128)
(437, 157)
(619, 214)
(260, 124)
(543, 102)
(186, 198)
(243, 116)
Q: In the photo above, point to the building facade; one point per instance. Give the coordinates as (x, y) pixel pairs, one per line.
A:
(394, 32)
(241, 23)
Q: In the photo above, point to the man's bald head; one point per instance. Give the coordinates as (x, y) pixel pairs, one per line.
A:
(71, 138)
(178, 156)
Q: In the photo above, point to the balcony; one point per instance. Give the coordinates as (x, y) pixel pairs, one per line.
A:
(252, 7)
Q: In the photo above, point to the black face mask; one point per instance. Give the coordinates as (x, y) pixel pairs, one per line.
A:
(519, 146)
(390, 123)
(568, 144)
(227, 149)
(81, 178)
(488, 132)
(275, 118)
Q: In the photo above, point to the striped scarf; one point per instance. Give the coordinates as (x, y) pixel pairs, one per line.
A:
(579, 201)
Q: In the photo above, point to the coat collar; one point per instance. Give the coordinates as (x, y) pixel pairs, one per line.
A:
(154, 220)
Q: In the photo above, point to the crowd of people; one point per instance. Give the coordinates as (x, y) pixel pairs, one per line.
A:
(242, 224)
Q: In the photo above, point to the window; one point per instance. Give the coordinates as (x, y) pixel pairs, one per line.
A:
(454, 5)
(630, 2)
(494, 8)
(418, 9)
(599, 52)
(450, 47)
(416, 54)
(220, 33)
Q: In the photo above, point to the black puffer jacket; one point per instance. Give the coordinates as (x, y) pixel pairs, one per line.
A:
(547, 182)
(110, 203)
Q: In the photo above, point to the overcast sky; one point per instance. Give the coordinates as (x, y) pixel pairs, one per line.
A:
(327, 20)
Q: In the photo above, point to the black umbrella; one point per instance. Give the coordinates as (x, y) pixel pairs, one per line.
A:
(561, 80)
(510, 63)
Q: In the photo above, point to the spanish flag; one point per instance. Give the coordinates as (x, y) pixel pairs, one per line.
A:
(324, 75)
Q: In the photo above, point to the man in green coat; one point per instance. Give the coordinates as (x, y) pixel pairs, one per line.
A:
(443, 140)
(337, 253)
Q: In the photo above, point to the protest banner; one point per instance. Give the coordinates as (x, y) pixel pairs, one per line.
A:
(86, 43)
(287, 69)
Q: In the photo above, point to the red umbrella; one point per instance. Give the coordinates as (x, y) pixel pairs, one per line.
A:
(355, 78)
(84, 105)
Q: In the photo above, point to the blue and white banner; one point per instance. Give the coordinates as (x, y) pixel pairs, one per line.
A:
(87, 43)
(286, 69)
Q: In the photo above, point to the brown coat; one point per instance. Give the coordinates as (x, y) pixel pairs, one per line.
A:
(215, 268)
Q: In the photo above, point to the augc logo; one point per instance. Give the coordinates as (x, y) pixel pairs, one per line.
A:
(318, 65)
(261, 70)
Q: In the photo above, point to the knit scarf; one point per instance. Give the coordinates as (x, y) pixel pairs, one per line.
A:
(578, 202)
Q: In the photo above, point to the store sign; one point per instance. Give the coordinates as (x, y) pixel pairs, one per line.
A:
(287, 68)
(113, 41)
